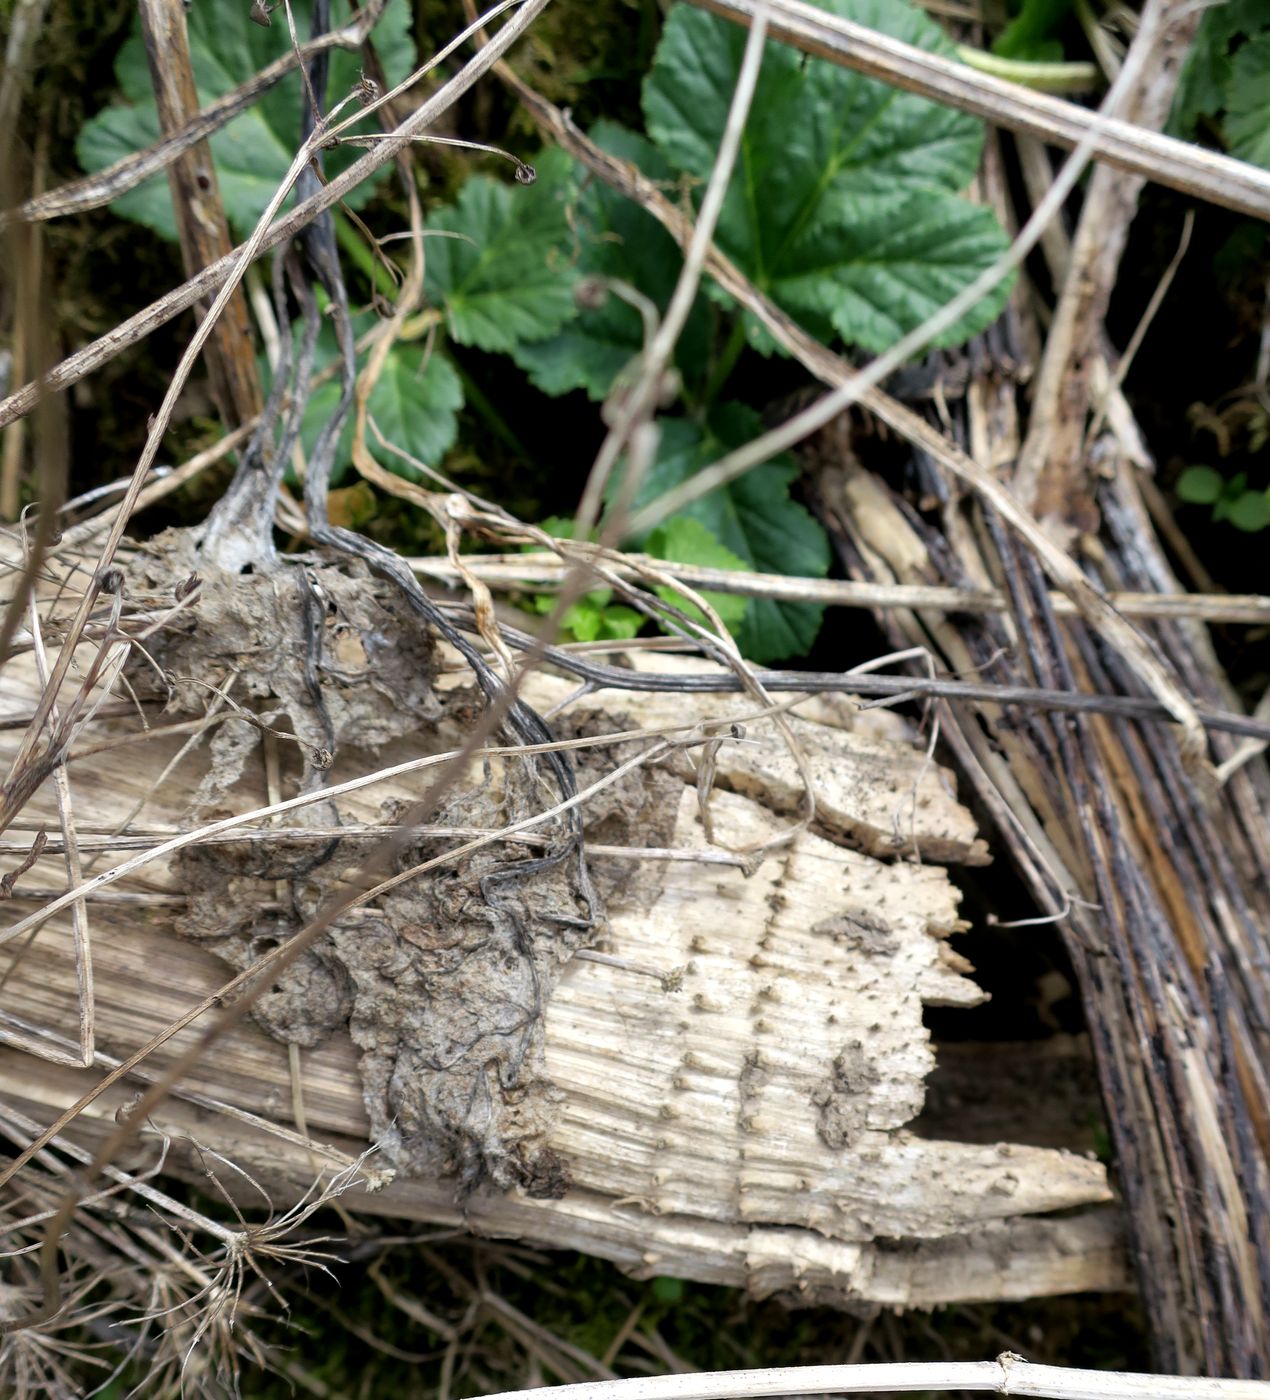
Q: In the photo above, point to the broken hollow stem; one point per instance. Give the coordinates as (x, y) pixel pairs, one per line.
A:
(1007, 1375)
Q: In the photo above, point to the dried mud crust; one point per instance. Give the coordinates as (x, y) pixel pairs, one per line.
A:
(443, 982)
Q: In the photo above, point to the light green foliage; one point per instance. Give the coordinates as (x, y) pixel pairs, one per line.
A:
(594, 617)
(844, 206)
(1200, 486)
(611, 237)
(683, 539)
(753, 517)
(502, 278)
(253, 151)
(1231, 500)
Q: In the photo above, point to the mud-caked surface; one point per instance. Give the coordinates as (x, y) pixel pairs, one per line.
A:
(443, 980)
(317, 649)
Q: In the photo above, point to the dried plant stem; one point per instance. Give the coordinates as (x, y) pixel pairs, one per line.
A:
(1007, 1375)
(80, 534)
(306, 799)
(142, 840)
(285, 952)
(103, 186)
(517, 571)
(1051, 462)
(196, 203)
(264, 234)
(159, 1200)
(80, 927)
(640, 403)
(213, 1105)
(15, 794)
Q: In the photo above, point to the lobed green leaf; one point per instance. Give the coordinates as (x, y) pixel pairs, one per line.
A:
(502, 278)
(683, 539)
(254, 151)
(415, 404)
(612, 237)
(1248, 102)
(844, 204)
(753, 517)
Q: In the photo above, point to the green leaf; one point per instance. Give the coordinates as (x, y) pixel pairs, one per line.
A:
(1204, 88)
(1200, 486)
(1251, 511)
(1030, 32)
(252, 153)
(1231, 492)
(415, 404)
(594, 617)
(559, 527)
(1202, 85)
(1248, 102)
(753, 517)
(612, 237)
(685, 540)
(583, 620)
(620, 624)
(844, 204)
(504, 279)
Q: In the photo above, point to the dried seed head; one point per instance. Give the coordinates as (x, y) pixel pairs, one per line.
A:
(668, 387)
(525, 174)
(110, 580)
(590, 294)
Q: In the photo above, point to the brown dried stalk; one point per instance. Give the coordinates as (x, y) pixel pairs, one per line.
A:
(516, 571)
(1052, 460)
(200, 216)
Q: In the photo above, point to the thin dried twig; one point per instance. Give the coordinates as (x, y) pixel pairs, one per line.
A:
(536, 569)
(263, 234)
(80, 927)
(353, 831)
(1052, 458)
(196, 204)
